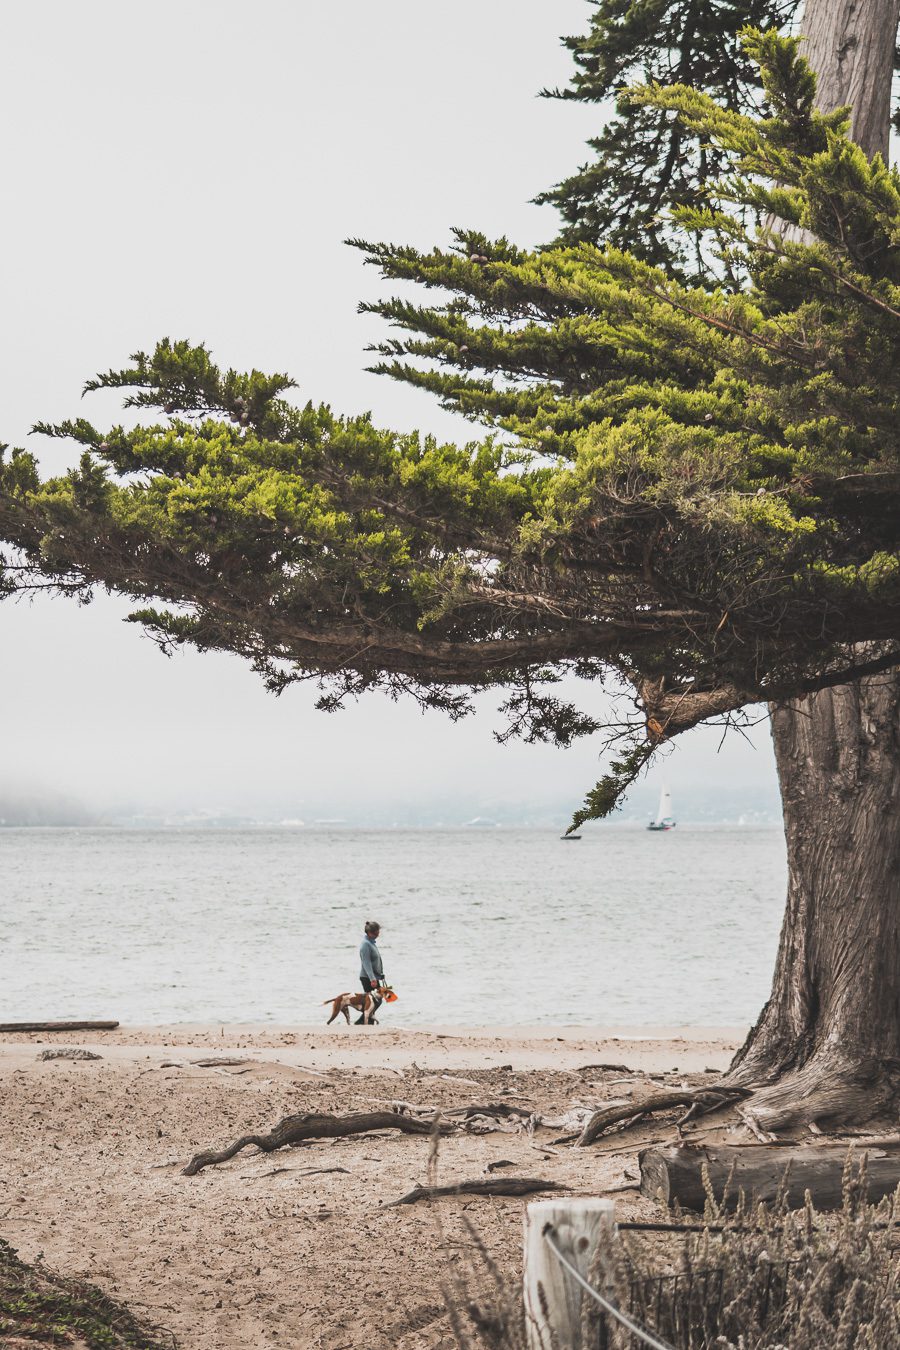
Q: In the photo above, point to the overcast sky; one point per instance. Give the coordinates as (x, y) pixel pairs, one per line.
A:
(190, 168)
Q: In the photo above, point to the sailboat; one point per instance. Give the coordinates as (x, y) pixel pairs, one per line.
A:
(664, 818)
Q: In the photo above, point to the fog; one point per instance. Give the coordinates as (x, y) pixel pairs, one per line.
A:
(191, 169)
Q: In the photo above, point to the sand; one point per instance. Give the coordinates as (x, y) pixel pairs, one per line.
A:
(273, 1250)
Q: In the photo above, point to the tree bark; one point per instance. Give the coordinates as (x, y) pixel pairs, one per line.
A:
(832, 1022)
(850, 46)
(828, 1040)
(759, 1170)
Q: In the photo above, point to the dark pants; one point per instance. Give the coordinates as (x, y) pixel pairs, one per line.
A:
(369, 986)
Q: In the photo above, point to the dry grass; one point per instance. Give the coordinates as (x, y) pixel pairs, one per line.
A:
(771, 1279)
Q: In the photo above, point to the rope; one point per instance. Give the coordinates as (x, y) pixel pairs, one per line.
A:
(646, 1336)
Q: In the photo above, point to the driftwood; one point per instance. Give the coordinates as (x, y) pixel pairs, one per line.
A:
(220, 1061)
(497, 1186)
(676, 1174)
(58, 1026)
(474, 1119)
(297, 1129)
(301, 1171)
(607, 1068)
(696, 1100)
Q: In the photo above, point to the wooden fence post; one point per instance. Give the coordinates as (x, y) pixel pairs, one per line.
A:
(553, 1300)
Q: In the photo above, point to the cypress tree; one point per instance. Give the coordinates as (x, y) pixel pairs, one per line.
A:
(645, 160)
(693, 489)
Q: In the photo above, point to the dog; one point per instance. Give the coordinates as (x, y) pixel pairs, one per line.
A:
(363, 1003)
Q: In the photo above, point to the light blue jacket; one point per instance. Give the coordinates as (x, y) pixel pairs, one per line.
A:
(370, 961)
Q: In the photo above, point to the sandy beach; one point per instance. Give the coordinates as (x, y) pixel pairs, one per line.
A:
(296, 1248)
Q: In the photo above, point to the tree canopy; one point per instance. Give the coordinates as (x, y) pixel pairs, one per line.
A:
(646, 159)
(691, 489)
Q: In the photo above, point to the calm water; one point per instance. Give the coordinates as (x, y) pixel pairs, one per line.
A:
(479, 926)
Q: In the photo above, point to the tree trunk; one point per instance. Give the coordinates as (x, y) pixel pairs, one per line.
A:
(834, 1014)
(850, 46)
(828, 1040)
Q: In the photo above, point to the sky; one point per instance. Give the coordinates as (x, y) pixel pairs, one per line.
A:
(191, 169)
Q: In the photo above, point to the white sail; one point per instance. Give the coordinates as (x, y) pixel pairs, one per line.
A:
(664, 818)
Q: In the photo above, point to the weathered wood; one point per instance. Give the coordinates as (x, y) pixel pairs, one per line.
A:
(58, 1026)
(297, 1129)
(676, 1174)
(495, 1186)
(553, 1301)
(706, 1099)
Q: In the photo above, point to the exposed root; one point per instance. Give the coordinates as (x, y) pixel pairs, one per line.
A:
(698, 1099)
(297, 1129)
(829, 1089)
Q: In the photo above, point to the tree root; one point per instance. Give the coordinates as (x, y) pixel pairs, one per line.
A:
(296, 1129)
(699, 1100)
(497, 1186)
(829, 1088)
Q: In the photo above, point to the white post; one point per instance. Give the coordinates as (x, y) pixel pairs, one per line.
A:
(553, 1300)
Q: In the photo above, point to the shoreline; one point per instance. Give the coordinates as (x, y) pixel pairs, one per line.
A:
(651, 1049)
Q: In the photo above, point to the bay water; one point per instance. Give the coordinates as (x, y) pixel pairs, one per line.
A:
(479, 926)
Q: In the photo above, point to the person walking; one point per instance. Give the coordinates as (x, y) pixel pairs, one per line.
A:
(371, 973)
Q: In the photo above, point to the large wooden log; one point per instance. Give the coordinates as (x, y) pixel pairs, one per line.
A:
(58, 1026)
(676, 1174)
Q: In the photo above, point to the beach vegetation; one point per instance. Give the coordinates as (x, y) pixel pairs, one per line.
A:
(39, 1307)
(747, 1277)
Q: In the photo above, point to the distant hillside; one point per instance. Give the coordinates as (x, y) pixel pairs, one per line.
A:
(39, 807)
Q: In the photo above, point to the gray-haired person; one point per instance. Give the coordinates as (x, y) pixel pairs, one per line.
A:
(371, 972)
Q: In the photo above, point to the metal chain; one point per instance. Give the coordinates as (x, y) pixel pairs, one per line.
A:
(641, 1332)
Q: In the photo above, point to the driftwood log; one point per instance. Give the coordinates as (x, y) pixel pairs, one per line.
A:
(676, 1174)
(497, 1186)
(297, 1129)
(58, 1026)
(697, 1100)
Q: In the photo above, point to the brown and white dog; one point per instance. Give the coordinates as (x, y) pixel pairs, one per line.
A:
(342, 1003)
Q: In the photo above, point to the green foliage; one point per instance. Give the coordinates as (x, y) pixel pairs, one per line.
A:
(37, 1305)
(645, 160)
(690, 490)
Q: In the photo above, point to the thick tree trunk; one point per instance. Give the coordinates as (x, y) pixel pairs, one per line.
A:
(828, 1039)
(832, 1024)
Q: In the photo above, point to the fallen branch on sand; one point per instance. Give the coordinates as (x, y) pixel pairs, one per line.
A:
(301, 1171)
(496, 1116)
(497, 1186)
(698, 1101)
(605, 1068)
(220, 1062)
(297, 1129)
(58, 1026)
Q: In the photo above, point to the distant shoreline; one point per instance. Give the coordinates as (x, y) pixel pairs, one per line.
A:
(212, 827)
